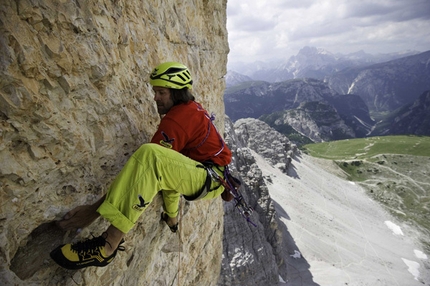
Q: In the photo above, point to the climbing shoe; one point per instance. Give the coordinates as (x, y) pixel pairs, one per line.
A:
(90, 252)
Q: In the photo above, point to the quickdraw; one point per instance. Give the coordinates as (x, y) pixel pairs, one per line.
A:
(232, 184)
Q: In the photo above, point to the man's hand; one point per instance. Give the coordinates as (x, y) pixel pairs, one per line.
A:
(226, 196)
(80, 216)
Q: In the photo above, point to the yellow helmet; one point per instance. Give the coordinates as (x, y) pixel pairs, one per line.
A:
(171, 75)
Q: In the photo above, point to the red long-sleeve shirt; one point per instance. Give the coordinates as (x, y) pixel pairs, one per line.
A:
(187, 128)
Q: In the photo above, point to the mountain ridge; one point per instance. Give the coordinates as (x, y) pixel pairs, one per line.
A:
(368, 99)
(385, 86)
(310, 62)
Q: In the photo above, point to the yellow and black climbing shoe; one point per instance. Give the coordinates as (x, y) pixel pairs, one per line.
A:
(90, 252)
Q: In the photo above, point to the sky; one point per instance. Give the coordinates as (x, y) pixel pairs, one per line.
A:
(267, 30)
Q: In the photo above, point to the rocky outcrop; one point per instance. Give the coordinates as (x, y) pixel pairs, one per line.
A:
(260, 137)
(75, 103)
(252, 255)
(317, 121)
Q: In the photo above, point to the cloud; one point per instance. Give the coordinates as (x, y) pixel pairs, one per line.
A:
(263, 30)
(392, 10)
(251, 23)
(247, 17)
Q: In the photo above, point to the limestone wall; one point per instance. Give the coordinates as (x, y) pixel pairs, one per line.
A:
(74, 104)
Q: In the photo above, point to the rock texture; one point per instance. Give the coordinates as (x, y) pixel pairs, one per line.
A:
(74, 104)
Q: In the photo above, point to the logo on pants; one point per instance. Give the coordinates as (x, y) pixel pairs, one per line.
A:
(142, 204)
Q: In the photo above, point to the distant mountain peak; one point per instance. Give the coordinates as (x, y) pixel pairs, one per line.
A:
(311, 62)
(310, 51)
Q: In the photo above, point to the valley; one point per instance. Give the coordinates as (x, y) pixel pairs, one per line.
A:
(393, 169)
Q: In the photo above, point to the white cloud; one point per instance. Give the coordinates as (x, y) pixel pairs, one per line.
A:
(278, 29)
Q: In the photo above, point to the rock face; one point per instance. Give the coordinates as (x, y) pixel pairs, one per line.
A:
(75, 103)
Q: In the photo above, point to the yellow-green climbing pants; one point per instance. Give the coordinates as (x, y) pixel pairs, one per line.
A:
(153, 168)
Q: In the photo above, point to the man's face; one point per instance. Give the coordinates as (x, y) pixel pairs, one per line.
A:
(162, 99)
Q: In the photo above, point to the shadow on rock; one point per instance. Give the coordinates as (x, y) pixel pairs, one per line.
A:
(34, 256)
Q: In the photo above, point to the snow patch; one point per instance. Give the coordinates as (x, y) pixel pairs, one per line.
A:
(420, 254)
(296, 254)
(394, 228)
(281, 280)
(367, 125)
(413, 267)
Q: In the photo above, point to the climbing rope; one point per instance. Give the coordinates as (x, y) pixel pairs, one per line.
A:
(180, 239)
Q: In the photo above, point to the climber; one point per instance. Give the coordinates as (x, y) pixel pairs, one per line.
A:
(172, 163)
